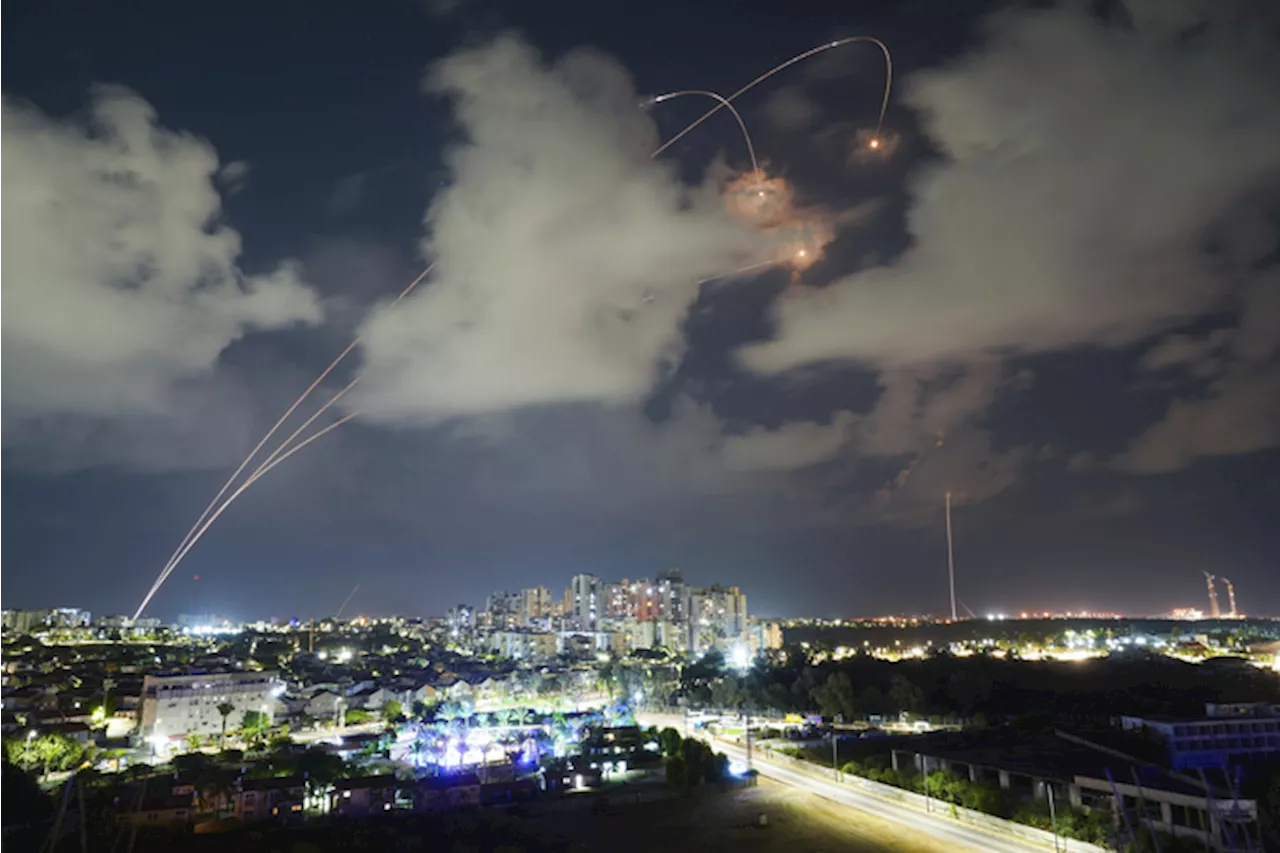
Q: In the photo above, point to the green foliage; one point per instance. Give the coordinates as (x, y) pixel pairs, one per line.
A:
(356, 716)
(50, 752)
(670, 740)
(1091, 826)
(255, 724)
(392, 710)
(694, 763)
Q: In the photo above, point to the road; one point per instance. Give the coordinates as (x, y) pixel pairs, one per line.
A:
(955, 835)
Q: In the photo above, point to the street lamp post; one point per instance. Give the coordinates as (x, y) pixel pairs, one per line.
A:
(26, 750)
(924, 762)
(1053, 816)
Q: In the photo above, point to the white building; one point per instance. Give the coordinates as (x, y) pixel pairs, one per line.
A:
(585, 591)
(174, 706)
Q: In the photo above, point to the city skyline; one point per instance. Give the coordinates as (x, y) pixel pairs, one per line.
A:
(624, 364)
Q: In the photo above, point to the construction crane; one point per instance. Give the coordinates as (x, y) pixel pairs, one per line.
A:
(1214, 610)
(1231, 600)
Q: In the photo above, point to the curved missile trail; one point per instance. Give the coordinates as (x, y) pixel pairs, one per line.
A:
(724, 103)
(174, 558)
(230, 498)
(884, 102)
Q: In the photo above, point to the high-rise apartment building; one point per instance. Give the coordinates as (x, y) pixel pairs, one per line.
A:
(585, 590)
(504, 609)
(535, 605)
(717, 617)
(671, 596)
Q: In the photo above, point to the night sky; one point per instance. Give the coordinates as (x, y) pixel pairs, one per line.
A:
(1054, 292)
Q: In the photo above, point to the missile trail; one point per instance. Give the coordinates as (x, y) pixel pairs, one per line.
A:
(724, 103)
(174, 558)
(884, 102)
(239, 491)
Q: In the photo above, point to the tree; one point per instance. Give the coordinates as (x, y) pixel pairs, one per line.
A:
(56, 752)
(321, 769)
(254, 724)
(835, 696)
(905, 695)
(670, 740)
(392, 710)
(727, 693)
(677, 772)
(225, 709)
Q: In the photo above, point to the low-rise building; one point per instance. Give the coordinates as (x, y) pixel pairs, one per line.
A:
(265, 799)
(366, 795)
(1227, 733)
(179, 705)
(437, 793)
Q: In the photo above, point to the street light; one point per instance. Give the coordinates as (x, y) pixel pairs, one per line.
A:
(26, 750)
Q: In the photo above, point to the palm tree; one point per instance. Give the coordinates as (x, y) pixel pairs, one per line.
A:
(225, 709)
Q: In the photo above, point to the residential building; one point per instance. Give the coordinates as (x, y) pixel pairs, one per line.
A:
(264, 799)
(671, 596)
(175, 706)
(437, 793)
(658, 634)
(523, 645)
(504, 609)
(535, 605)
(461, 620)
(717, 617)
(585, 591)
(367, 795)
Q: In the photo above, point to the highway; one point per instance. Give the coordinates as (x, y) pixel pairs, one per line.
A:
(957, 835)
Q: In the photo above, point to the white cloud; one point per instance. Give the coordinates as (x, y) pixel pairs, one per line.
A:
(1083, 164)
(566, 258)
(120, 281)
(790, 446)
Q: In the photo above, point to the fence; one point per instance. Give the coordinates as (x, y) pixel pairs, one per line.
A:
(934, 806)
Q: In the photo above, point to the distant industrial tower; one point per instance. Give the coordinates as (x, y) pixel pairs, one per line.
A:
(951, 565)
(1214, 610)
(1231, 599)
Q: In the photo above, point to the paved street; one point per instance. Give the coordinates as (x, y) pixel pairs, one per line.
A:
(956, 835)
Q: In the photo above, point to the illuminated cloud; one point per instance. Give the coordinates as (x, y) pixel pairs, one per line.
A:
(120, 279)
(1083, 164)
(566, 258)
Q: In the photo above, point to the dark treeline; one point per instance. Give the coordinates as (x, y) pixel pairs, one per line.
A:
(997, 689)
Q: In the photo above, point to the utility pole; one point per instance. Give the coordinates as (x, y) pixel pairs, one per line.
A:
(1053, 815)
(951, 565)
(835, 753)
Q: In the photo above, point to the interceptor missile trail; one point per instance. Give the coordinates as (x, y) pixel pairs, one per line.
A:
(261, 469)
(346, 601)
(724, 103)
(173, 558)
(239, 491)
(884, 102)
